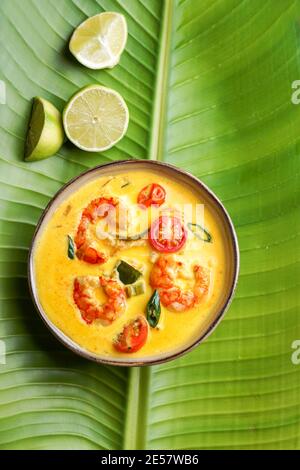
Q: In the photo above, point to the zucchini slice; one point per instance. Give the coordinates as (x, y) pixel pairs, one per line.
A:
(127, 273)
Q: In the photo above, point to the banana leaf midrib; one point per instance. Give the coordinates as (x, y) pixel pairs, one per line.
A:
(160, 100)
(135, 435)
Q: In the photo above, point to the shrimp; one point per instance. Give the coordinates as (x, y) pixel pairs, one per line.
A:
(163, 276)
(97, 209)
(90, 308)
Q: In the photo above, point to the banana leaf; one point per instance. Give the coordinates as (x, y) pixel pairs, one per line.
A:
(208, 84)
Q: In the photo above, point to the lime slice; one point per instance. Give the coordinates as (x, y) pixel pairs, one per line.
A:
(100, 40)
(96, 118)
(45, 133)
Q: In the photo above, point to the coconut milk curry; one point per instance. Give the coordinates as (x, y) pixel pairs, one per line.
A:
(131, 266)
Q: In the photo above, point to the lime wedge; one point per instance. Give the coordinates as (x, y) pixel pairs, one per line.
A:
(45, 133)
(100, 40)
(96, 118)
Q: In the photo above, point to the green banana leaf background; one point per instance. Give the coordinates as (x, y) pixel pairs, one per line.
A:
(208, 84)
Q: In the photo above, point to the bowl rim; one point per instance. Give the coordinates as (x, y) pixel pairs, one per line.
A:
(79, 350)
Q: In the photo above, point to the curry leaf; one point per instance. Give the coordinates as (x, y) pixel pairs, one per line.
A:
(153, 309)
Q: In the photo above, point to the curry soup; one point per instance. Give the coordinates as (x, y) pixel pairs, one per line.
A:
(188, 280)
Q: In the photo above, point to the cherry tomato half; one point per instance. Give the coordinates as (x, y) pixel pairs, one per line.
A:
(133, 337)
(153, 194)
(167, 234)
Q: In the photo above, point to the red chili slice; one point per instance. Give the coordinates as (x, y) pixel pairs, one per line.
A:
(153, 194)
(133, 337)
(167, 234)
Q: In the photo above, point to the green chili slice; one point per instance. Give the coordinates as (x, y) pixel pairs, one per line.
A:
(200, 232)
(132, 238)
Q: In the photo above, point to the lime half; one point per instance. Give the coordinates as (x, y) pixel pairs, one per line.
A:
(96, 118)
(45, 133)
(100, 40)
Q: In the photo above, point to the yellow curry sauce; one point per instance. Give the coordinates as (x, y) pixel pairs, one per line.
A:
(55, 272)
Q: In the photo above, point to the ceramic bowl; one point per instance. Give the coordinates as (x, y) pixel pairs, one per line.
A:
(205, 195)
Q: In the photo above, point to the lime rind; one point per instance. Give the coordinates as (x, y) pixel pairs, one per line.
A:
(45, 134)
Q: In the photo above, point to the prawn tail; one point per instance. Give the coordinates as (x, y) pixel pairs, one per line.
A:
(96, 209)
(91, 255)
(202, 283)
(89, 312)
